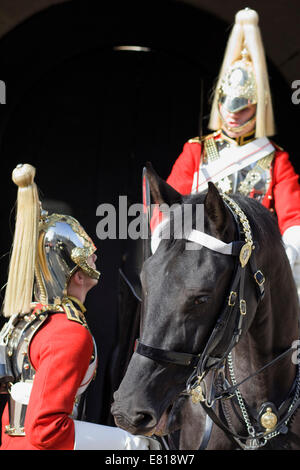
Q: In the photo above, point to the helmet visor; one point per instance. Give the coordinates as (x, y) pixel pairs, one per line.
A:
(233, 104)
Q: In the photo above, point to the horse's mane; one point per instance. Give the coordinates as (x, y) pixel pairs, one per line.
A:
(263, 224)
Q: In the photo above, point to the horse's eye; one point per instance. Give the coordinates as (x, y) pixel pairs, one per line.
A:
(201, 299)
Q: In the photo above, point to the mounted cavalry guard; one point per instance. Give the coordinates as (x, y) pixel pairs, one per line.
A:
(47, 353)
(238, 156)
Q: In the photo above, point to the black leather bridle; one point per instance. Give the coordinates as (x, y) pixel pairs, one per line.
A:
(235, 305)
(200, 364)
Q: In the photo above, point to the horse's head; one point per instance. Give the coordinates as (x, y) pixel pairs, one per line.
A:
(192, 314)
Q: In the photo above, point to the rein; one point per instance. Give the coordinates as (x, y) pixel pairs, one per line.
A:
(202, 363)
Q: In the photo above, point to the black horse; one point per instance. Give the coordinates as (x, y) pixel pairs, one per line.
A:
(216, 356)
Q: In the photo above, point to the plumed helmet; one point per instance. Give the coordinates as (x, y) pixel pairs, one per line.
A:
(63, 247)
(243, 77)
(47, 250)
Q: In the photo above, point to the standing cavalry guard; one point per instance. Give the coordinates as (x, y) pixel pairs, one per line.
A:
(238, 156)
(47, 353)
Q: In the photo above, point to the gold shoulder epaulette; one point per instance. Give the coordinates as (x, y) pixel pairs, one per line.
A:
(194, 140)
(204, 137)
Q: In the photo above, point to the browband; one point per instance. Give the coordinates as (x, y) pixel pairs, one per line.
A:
(210, 242)
(201, 238)
(241, 248)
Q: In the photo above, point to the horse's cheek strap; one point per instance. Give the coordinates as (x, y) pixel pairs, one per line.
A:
(217, 333)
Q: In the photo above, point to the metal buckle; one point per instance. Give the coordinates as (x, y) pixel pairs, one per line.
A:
(243, 307)
(232, 298)
(259, 278)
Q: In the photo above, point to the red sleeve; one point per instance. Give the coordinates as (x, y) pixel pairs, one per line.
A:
(60, 353)
(182, 174)
(286, 192)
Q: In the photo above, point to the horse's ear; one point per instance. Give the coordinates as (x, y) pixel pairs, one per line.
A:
(161, 191)
(216, 209)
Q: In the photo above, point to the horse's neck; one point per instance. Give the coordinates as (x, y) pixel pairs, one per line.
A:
(272, 332)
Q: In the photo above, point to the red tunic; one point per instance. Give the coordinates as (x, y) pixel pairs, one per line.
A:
(283, 193)
(60, 352)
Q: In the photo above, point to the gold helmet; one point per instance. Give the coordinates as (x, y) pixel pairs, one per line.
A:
(243, 78)
(47, 250)
(63, 247)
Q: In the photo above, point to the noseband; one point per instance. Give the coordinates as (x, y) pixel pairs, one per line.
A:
(235, 304)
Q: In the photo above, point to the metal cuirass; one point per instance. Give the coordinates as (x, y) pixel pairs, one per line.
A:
(18, 338)
(18, 342)
(252, 180)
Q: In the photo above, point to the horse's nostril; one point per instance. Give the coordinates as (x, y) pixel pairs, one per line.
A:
(136, 424)
(144, 420)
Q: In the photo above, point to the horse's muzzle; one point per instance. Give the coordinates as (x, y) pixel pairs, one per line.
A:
(147, 422)
(139, 422)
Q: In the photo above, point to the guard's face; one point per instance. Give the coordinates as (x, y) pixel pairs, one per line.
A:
(91, 261)
(235, 124)
(89, 281)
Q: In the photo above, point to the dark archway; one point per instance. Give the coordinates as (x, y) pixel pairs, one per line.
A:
(89, 116)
